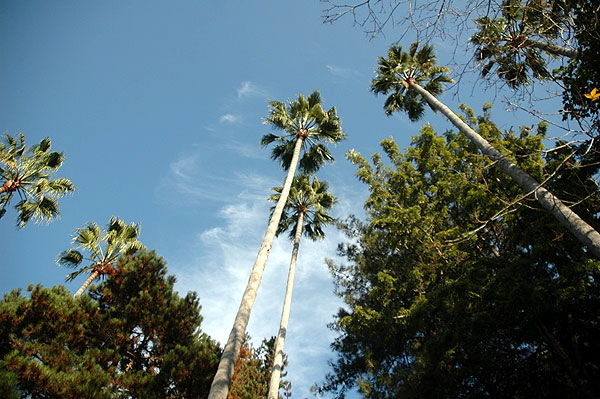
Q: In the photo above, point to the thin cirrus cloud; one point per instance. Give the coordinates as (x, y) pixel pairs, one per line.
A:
(247, 89)
(183, 176)
(250, 89)
(229, 118)
(218, 267)
(346, 73)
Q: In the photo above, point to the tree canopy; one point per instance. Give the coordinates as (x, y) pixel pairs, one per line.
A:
(131, 337)
(459, 286)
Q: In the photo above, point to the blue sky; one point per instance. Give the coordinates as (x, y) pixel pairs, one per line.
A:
(158, 107)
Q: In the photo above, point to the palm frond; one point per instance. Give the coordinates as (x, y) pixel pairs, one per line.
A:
(303, 117)
(84, 270)
(45, 209)
(89, 238)
(60, 187)
(69, 258)
(396, 73)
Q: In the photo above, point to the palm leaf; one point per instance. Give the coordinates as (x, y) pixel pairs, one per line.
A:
(69, 258)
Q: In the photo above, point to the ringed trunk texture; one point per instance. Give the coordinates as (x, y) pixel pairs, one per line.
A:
(575, 224)
(285, 315)
(86, 283)
(220, 385)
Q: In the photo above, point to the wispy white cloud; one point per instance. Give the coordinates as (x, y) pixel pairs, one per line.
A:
(248, 89)
(219, 264)
(346, 73)
(229, 118)
(246, 150)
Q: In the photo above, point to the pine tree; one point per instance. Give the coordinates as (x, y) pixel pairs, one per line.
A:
(476, 286)
(132, 337)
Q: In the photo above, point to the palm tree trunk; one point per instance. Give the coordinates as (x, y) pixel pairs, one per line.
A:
(552, 48)
(220, 385)
(86, 283)
(9, 186)
(285, 315)
(577, 226)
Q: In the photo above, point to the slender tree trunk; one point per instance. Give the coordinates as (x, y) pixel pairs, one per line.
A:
(577, 226)
(220, 385)
(285, 315)
(552, 48)
(86, 283)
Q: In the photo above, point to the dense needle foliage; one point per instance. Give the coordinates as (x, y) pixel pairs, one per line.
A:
(457, 285)
(132, 337)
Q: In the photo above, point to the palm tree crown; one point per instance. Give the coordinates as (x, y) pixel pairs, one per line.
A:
(401, 68)
(310, 199)
(119, 239)
(304, 119)
(28, 173)
(513, 45)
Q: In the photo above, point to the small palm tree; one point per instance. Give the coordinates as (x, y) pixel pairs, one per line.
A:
(305, 212)
(118, 239)
(306, 128)
(408, 77)
(28, 172)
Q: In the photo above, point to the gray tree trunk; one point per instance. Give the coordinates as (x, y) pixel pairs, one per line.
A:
(86, 283)
(552, 48)
(220, 385)
(577, 226)
(285, 315)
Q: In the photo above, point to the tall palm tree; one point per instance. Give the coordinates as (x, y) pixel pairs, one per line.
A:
(119, 239)
(305, 212)
(28, 172)
(306, 128)
(413, 79)
(514, 44)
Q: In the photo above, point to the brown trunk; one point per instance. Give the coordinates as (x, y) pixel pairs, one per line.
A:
(86, 283)
(9, 186)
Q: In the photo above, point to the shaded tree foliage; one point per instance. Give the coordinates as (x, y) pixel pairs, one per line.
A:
(457, 285)
(131, 337)
(253, 371)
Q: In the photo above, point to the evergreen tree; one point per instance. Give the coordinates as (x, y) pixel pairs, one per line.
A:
(253, 371)
(132, 337)
(412, 79)
(457, 285)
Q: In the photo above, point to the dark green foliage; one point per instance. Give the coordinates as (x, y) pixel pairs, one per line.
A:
(253, 371)
(518, 44)
(582, 73)
(521, 43)
(311, 199)
(458, 286)
(132, 337)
